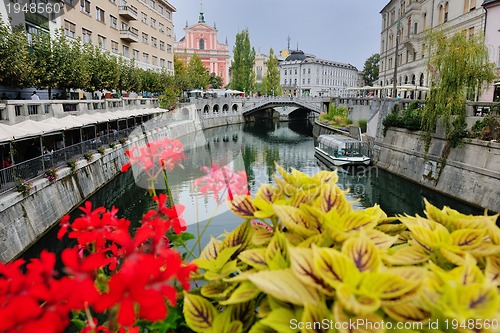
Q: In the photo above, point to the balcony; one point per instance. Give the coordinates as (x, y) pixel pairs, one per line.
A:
(413, 8)
(128, 12)
(129, 35)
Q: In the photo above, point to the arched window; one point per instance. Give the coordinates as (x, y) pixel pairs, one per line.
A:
(202, 44)
(446, 12)
(441, 10)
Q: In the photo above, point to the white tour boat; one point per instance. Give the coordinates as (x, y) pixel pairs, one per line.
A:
(341, 150)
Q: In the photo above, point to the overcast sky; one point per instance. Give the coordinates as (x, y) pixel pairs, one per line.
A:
(343, 31)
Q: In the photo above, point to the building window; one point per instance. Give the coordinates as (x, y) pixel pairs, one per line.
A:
(152, 3)
(170, 65)
(202, 44)
(114, 46)
(469, 5)
(162, 45)
(85, 6)
(153, 23)
(144, 18)
(295, 73)
(162, 63)
(169, 48)
(113, 23)
(160, 10)
(309, 81)
(154, 41)
(136, 54)
(168, 14)
(161, 27)
(285, 82)
(125, 51)
(145, 58)
(446, 7)
(169, 32)
(99, 15)
(124, 26)
(309, 71)
(155, 61)
(425, 21)
(69, 29)
(86, 36)
(470, 33)
(102, 42)
(145, 38)
(285, 71)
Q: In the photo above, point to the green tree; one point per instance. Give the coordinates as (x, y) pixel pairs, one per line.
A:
(371, 69)
(271, 81)
(181, 75)
(15, 65)
(103, 67)
(243, 76)
(215, 81)
(459, 69)
(130, 76)
(197, 73)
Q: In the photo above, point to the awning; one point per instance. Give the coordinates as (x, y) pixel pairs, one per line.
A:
(37, 127)
(9, 133)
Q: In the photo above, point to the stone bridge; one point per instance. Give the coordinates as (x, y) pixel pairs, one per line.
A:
(284, 106)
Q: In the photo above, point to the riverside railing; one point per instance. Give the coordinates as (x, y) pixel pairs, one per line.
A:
(36, 167)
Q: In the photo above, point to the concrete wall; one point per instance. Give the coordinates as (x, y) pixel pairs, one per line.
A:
(25, 219)
(471, 173)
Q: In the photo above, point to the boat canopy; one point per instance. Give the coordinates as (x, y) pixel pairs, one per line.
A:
(342, 145)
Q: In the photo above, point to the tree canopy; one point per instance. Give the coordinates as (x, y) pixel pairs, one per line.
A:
(271, 81)
(371, 69)
(243, 76)
(459, 70)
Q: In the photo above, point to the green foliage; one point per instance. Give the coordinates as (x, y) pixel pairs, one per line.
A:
(88, 155)
(243, 76)
(460, 70)
(15, 66)
(336, 116)
(23, 186)
(371, 69)
(362, 123)
(410, 118)
(104, 69)
(197, 73)
(488, 128)
(215, 81)
(314, 257)
(271, 81)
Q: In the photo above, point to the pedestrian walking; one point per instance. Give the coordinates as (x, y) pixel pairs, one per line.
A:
(34, 96)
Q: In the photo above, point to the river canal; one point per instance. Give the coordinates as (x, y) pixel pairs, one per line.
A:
(252, 147)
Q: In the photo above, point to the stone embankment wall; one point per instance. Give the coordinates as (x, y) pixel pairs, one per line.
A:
(23, 220)
(470, 173)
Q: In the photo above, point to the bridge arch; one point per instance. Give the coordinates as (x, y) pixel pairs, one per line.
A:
(216, 109)
(235, 108)
(206, 110)
(225, 108)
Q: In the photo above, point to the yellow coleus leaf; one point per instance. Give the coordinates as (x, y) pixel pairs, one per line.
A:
(356, 220)
(284, 285)
(467, 238)
(380, 239)
(226, 270)
(303, 267)
(215, 265)
(326, 177)
(277, 256)
(240, 237)
(245, 292)
(391, 229)
(259, 327)
(354, 301)
(244, 312)
(363, 253)
(334, 267)
(267, 193)
(406, 255)
(469, 301)
(427, 237)
(264, 209)
(316, 319)
(407, 312)
(492, 270)
(331, 198)
(242, 206)
(216, 290)
(485, 249)
(211, 250)
(468, 273)
(254, 257)
(341, 317)
(261, 236)
(296, 220)
(297, 179)
(453, 254)
(440, 216)
(280, 320)
(199, 313)
(387, 286)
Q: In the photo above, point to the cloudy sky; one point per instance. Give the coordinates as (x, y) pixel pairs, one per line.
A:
(343, 31)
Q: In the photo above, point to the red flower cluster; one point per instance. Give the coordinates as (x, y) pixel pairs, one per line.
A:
(219, 178)
(144, 270)
(156, 156)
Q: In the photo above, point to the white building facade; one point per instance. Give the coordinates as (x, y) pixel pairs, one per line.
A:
(404, 54)
(306, 75)
(492, 40)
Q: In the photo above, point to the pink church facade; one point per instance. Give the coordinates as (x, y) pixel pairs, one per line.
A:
(201, 39)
